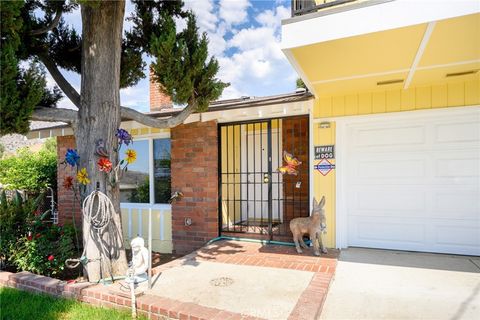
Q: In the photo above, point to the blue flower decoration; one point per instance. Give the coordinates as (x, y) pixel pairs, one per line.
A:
(123, 137)
(72, 157)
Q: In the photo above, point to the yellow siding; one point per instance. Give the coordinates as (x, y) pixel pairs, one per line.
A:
(230, 151)
(425, 97)
(325, 185)
(158, 244)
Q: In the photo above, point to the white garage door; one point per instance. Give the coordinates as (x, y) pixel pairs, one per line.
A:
(412, 181)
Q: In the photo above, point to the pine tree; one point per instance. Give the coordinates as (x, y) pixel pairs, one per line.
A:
(107, 59)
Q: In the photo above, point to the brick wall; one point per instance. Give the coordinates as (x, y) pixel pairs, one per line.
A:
(67, 205)
(158, 100)
(195, 173)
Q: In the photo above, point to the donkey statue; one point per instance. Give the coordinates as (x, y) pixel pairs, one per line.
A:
(314, 226)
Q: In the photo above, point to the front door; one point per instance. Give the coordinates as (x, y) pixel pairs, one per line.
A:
(257, 197)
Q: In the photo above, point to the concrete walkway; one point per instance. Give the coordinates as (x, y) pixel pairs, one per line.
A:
(383, 284)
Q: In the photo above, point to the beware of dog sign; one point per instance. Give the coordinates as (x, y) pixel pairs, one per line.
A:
(324, 152)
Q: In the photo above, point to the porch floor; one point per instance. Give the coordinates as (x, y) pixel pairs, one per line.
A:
(226, 280)
(247, 280)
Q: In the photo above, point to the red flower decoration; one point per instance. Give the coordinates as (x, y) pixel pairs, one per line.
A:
(51, 257)
(104, 164)
(38, 235)
(68, 182)
(29, 237)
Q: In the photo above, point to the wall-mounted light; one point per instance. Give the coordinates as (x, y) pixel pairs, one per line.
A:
(324, 125)
(188, 222)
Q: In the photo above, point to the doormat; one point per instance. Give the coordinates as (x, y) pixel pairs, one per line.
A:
(256, 223)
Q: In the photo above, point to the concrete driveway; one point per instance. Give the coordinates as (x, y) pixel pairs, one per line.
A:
(384, 284)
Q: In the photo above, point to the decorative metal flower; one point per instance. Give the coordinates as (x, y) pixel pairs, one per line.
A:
(72, 157)
(131, 156)
(68, 182)
(123, 137)
(104, 165)
(82, 176)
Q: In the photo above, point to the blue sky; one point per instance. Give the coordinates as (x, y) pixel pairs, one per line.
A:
(245, 38)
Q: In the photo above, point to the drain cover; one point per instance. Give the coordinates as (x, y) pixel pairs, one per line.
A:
(221, 282)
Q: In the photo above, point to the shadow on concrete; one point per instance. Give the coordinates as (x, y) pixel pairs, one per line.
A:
(210, 252)
(410, 259)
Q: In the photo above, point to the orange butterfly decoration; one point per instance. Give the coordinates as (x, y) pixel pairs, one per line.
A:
(291, 166)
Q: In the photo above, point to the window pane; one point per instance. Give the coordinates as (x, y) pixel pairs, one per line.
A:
(161, 163)
(134, 184)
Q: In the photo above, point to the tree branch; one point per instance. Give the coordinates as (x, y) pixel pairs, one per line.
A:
(52, 25)
(66, 87)
(54, 115)
(147, 120)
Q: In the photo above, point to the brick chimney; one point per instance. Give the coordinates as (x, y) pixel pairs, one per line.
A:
(158, 100)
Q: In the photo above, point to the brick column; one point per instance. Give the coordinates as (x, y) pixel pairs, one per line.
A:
(195, 173)
(67, 205)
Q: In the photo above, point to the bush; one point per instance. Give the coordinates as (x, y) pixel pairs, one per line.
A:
(29, 242)
(30, 171)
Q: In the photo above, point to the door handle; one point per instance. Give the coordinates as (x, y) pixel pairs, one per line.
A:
(266, 178)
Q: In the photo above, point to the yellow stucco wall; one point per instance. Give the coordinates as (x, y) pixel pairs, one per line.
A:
(158, 245)
(426, 97)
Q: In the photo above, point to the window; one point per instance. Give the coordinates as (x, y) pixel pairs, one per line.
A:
(161, 170)
(134, 184)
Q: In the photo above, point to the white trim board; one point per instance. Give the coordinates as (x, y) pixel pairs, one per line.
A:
(375, 18)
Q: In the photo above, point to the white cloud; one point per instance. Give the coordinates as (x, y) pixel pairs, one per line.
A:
(273, 18)
(234, 11)
(204, 11)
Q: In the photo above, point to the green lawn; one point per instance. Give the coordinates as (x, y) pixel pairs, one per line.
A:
(18, 305)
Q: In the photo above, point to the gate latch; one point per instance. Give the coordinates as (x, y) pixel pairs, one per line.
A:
(266, 178)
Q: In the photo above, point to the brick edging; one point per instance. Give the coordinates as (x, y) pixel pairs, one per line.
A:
(150, 306)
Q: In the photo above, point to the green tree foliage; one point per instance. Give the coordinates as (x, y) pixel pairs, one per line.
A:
(300, 84)
(21, 89)
(180, 60)
(30, 171)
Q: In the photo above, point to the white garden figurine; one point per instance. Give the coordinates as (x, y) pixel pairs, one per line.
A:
(140, 261)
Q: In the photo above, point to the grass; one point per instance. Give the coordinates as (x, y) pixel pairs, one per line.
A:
(18, 305)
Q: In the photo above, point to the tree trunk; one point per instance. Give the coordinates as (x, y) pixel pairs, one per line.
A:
(99, 116)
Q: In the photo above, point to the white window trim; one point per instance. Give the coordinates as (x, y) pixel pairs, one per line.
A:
(151, 177)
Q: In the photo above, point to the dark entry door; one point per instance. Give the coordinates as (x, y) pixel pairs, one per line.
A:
(256, 198)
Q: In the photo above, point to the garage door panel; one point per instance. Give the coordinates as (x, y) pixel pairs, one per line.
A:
(374, 231)
(457, 132)
(386, 136)
(390, 168)
(414, 183)
(456, 235)
(456, 205)
(384, 202)
(462, 165)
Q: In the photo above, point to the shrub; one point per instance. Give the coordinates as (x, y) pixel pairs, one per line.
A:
(30, 171)
(28, 242)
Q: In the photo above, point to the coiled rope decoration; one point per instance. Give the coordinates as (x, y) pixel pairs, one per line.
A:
(98, 219)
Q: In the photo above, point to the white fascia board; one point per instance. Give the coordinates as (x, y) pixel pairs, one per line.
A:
(372, 18)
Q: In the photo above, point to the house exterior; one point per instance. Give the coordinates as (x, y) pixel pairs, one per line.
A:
(388, 132)
(397, 92)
